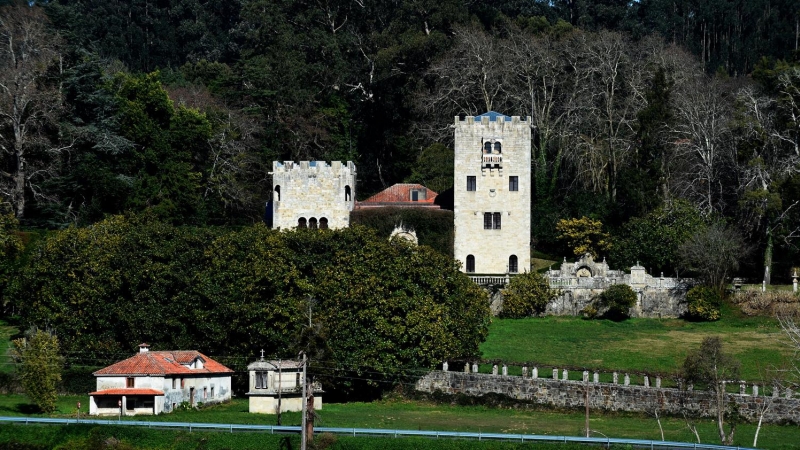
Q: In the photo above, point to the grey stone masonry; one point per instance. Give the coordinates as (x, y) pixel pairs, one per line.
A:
(607, 396)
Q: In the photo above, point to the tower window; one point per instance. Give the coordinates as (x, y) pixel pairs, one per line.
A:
(513, 183)
(312, 223)
(471, 184)
(470, 264)
(323, 223)
(491, 221)
(487, 147)
(347, 194)
(513, 267)
(277, 193)
(498, 147)
(301, 222)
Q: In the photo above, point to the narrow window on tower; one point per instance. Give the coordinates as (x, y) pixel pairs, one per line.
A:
(497, 220)
(513, 267)
(513, 183)
(470, 264)
(487, 221)
(471, 183)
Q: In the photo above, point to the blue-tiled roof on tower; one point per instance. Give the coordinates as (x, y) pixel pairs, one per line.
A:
(492, 115)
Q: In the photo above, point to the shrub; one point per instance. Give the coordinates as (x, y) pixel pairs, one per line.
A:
(526, 295)
(617, 301)
(703, 303)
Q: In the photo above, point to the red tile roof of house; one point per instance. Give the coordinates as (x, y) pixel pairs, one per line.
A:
(129, 391)
(163, 363)
(400, 195)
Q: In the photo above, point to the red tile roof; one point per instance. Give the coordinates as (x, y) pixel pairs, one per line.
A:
(130, 391)
(400, 195)
(163, 363)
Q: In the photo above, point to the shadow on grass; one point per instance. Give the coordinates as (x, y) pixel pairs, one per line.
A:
(21, 408)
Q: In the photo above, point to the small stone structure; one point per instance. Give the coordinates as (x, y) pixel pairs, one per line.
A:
(312, 194)
(566, 393)
(272, 382)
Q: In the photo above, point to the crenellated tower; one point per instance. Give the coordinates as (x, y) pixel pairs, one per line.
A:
(492, 193)
(312, 194)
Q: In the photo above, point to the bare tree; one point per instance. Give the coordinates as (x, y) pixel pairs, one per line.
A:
(28, 103)
(714, 253)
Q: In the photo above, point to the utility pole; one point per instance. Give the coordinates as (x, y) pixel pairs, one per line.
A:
(303, 402)
(310, 414)
(280, 388)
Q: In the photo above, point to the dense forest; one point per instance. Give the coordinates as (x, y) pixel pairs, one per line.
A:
(641, 110)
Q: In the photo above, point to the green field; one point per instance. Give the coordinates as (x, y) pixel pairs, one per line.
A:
(635, 345)
(417, 415)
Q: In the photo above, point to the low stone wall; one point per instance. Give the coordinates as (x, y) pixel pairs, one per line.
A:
(652, 302)
(612, 397)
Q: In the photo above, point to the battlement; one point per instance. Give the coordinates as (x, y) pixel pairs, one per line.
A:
(313, 166)
(491, 119)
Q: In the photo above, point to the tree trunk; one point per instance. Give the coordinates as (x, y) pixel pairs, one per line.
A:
(768, 257)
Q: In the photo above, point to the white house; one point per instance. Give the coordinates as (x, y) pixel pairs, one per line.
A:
(156, 382)
(274, 382)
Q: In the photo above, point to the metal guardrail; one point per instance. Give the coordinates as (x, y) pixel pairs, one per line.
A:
(272, 429)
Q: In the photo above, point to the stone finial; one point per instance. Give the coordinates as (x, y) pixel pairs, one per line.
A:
(474, 367)
(555, 374)
(505, 370)
(524, 371)
(596, 377)
(444, 366)
(646, 381)
(494, 369)
(788, 392)
(755, 390)
(565, 375)
(466, 367)
(775, 391)
(658, 382)
(615, 378)
(535, 373)
(690, 387)
(585, 376)
(627, 380)
(742, 388)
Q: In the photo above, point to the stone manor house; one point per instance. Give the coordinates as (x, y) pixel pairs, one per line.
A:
(491, 215)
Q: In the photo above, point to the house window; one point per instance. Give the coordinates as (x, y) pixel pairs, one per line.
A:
(301, 222)
(174, 382)
(261, 380)
(212, 391)
(297, 379)
(512, 264)
(414, 196)
(129, 382)
(471, 183)
(470, 264)
(312, 223)
(205, 393)
(323, 223)
(183, 383)
(513, 183)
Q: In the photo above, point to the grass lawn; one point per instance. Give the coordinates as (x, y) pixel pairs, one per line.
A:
(415, 415)
(645, 345)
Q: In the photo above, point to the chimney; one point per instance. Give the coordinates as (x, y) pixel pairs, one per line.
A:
(144, 348)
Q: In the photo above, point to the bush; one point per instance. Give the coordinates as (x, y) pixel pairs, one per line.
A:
(526, 295)
(617, 301)
(703, 303)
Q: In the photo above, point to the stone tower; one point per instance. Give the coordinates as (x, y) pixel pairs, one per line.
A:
(492, 193)
(312, 194)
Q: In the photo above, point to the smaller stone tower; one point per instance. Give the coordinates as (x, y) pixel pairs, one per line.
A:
(312, 194)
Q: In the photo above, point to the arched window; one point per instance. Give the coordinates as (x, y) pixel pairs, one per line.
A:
(513, 267)
(301, 222)
(487, 147)
(347, 194)
(312, 223)
(498, 147)
(470, 264)
(323, 223)
(277, 193)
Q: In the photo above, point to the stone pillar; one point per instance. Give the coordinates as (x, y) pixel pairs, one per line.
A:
(596, 377)
(565, 375)
(788, 392)
(524, 371)
(794, 282)
(690, 387)
(742, 388)
(474, 367)
(646, 381)
(466, 367)
(658, 382)
(555, 374)
(494, 369)
(444, 366)
(755, 390)
(585, 376)
(616, 378)
(627, 380)
(535, 373)
(505, 370)
(775, 391)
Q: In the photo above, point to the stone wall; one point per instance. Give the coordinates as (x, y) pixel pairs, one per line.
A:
(647, 398)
